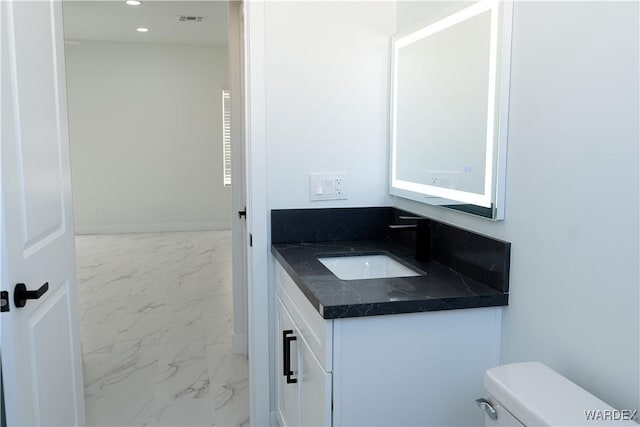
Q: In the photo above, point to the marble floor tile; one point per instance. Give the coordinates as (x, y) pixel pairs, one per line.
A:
(155, 320)
(229, 385)
(220, 306)
(141, 326)
(95, 367)
(183, 315)
(218, 329)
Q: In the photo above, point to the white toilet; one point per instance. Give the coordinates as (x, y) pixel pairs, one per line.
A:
(531, 394)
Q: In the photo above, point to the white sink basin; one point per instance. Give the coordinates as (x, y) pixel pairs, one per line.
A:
(366, 267)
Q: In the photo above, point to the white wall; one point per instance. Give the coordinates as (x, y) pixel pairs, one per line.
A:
(146, 138)
(327, 109)
(572, 202)
(327, 74)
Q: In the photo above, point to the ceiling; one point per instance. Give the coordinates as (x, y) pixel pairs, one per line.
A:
(116, 21)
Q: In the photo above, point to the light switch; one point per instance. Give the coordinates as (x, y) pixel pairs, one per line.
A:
(328, 186)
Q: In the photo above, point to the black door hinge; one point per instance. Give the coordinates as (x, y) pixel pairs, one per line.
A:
(250, 240)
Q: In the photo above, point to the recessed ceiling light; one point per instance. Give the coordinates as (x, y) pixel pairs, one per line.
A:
(142, 29)
(134, 2)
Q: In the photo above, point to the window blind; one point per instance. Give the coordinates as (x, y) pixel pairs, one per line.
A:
(226, 136)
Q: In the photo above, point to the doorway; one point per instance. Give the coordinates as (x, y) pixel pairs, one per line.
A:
(153, 214)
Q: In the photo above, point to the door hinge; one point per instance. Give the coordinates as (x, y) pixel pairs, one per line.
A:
(250, 240)
(242, 213)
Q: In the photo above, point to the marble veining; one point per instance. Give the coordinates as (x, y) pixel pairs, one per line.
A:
(440, 288)
(155, 320)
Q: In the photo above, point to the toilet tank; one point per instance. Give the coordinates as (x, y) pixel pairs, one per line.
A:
(531, 394)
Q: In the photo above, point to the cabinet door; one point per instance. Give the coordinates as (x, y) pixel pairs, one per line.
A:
(288, 396)
(315, 389)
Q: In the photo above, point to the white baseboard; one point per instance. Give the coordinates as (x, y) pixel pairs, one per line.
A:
(151, 228)
(239, 344)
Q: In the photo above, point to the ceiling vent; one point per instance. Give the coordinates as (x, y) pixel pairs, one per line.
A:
(183, 18)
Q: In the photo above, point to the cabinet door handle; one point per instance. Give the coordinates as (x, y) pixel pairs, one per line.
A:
(286, 351)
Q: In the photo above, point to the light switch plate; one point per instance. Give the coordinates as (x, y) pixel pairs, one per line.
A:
(327, 186)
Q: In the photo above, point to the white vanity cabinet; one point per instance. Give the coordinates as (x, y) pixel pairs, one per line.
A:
(303, 381)
(403, 369)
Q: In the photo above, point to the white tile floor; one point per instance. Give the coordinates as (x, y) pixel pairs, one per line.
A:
(155, 319)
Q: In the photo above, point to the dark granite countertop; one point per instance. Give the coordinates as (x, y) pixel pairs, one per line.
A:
(440, 288)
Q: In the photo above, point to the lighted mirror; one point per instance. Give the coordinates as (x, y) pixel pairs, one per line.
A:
(449, 102)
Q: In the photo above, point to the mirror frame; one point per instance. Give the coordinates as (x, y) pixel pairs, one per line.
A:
(489, 204)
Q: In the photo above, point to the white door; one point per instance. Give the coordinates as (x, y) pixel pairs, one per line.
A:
(258, 293)
(41, 356)
(239, 199)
